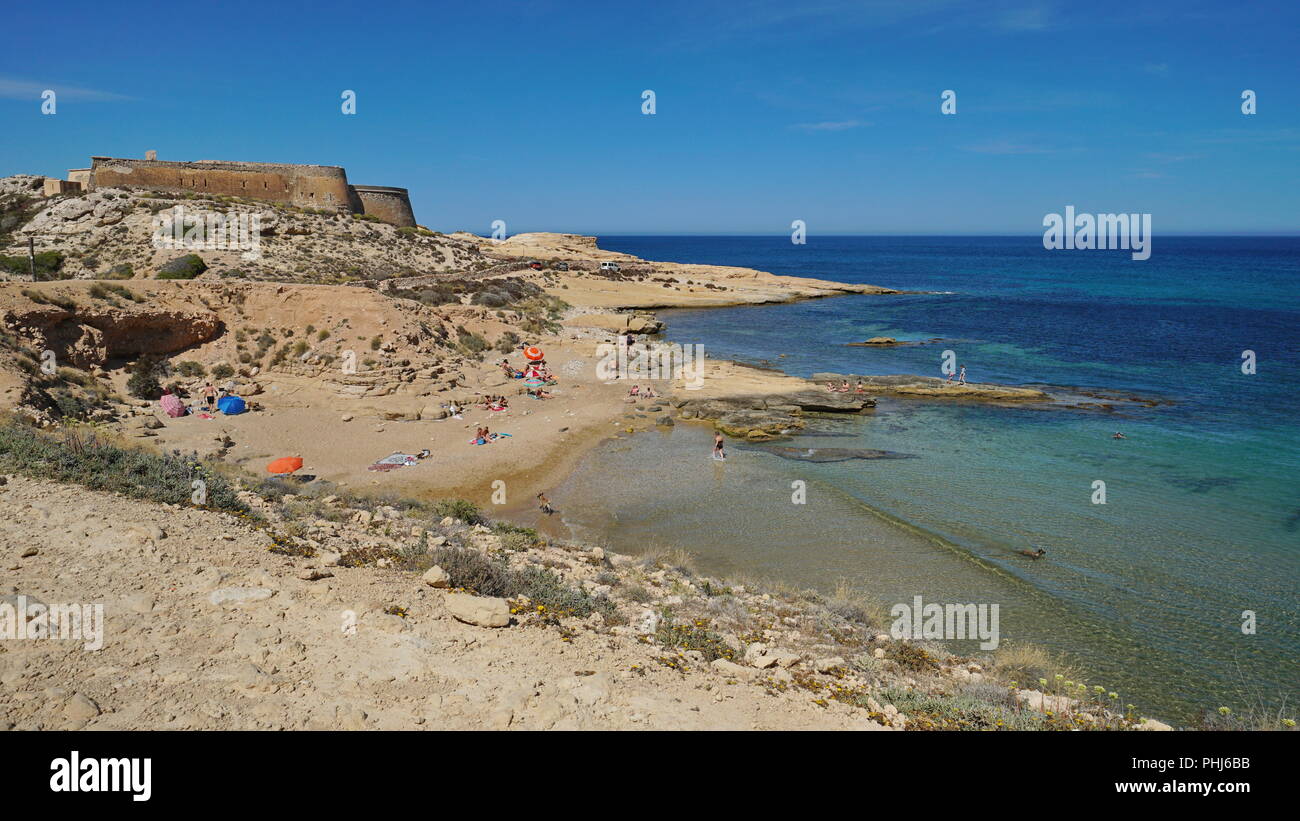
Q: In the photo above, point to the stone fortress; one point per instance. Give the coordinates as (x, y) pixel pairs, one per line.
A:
(307, 186)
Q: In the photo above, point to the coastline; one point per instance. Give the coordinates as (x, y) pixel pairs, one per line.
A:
(396, 403)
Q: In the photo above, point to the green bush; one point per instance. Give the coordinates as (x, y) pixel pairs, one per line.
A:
(222, 371)
(542, 587)
(84, 459)
(461, 509)
(122, 271)
(508, 343)
(143, 382)
(473, 571)
(694, 636)
(471, 342)
(190, 368)
(186, 267)
(48, 264)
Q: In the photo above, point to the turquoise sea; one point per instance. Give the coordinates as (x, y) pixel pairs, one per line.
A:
(1146, 592)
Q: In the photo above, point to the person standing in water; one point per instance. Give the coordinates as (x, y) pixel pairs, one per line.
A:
(544, 504)
(717, 447)
(961, 378)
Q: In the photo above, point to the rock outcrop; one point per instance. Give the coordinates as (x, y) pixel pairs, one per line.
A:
(88, 333)
(933, 387)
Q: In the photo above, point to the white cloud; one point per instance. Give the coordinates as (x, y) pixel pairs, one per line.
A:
(833, 125)
(16, 89)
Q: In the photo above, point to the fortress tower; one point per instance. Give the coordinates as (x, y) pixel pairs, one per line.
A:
(306, 186)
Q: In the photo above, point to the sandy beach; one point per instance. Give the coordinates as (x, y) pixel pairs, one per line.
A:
(408, 369)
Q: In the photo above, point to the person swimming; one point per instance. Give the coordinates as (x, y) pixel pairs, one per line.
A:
(1118, 435)
(1033, 554)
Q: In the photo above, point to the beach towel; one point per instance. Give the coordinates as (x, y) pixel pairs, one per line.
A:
(398, 459)
(171, 403)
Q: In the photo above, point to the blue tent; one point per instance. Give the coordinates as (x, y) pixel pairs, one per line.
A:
(231, 405)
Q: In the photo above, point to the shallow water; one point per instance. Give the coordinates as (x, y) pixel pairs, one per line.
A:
(1147, 591)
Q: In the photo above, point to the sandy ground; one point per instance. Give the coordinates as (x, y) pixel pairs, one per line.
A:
(205, 629)
(547, 436)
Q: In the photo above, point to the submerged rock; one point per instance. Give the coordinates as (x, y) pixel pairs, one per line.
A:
(828, 454)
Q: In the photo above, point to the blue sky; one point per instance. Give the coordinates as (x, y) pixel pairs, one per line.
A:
(767, 112)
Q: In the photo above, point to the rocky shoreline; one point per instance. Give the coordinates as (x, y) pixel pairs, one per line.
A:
(316, 610)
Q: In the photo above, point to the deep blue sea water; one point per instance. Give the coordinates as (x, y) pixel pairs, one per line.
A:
(1146, 592)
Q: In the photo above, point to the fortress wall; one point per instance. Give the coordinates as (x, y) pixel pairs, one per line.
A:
(311, 186)
(392, 205)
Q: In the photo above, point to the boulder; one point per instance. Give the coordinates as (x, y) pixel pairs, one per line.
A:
(757, 423)
(481, 611)
(1151, 725)
(437, 577)
(80, 708)
(644, 324)
(730, 668)
(1042, 702)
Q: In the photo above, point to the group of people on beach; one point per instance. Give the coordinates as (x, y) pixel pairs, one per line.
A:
(483, 436)
(637, 392)
(843, 387)
(208, 396)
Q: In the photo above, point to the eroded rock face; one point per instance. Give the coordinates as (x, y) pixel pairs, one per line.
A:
(87, 335)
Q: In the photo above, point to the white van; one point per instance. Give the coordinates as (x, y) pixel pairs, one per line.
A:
(609, 266)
